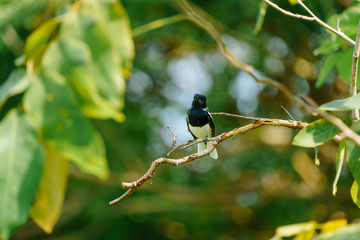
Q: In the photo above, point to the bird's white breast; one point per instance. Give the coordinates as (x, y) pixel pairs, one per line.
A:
(201, 132)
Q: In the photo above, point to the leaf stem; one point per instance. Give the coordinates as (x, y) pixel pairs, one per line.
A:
(157, 24)
(354, 71)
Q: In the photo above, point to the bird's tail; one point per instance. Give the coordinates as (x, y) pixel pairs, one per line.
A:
(202, 146)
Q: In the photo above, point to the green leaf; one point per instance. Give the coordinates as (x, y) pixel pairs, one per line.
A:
(349, 103)
(316, 158)
(343, 64)
(329, 45)
(340, 156)
(354, 191)
(342, 61)
(40, 37)
(16, 83)
(327, 66)
(94, 50)
(37, 42)
(72, 58)
(21, 165)
(119, 32)
(54, 109)
(50, 195)
(349, 20)
(352, 154)
(315, 134)
(260, 17)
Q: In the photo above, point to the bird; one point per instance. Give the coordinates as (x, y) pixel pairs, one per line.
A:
(200, 123)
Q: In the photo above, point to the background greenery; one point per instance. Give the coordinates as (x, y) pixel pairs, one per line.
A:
(76, 101)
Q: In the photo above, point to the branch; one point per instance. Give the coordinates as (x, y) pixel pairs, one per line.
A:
(313, 18)
(132, 186)
(228, 55)
(290, 14)
(346, 131)
(354, 71)
(174, 136)
(235, 116)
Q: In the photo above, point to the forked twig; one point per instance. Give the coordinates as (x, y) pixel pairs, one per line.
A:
(174, 136)
(313, 18)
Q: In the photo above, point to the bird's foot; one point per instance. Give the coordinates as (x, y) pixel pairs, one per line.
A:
(206, 139)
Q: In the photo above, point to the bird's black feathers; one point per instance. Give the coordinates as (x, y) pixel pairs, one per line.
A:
(198, 115)
(200, 123)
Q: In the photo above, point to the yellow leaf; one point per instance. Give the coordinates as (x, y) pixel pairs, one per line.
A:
(354, 191)
(50, 195)
(295, 229)
(305, 235)
(331, 226)
(293, 2)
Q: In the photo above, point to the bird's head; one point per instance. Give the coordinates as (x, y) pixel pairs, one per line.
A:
(199, 101)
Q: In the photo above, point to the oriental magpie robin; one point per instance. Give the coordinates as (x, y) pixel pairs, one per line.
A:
(200, 123)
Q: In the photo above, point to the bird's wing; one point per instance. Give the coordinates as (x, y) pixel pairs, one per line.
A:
(187, 123)
(211, 122)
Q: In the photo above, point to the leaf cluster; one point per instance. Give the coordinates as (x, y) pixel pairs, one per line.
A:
(76, 65)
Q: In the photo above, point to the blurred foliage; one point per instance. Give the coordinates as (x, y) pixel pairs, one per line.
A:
(76, 64)
(338, 52)
(63, 99)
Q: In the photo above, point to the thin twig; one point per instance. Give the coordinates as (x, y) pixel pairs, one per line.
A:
(122, 197)
(290, 14)
(132, 186)
(337, 32)
(235, 116)
(313, 18)
(338, 24)
(287, 112)
(354, 72)
(174, 136)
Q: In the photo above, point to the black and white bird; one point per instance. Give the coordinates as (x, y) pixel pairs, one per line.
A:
(200, 123)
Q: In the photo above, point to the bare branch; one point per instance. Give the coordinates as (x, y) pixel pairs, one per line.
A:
(338, 25)
(313, 18)
(236, 62)
(354, 72)
(337, 32)
(287, 112)
(132, 186)
(290, 14)
(235, 116)
(174, 136)
(122, 197)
